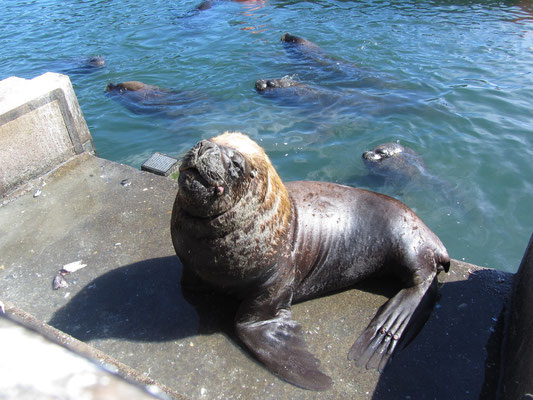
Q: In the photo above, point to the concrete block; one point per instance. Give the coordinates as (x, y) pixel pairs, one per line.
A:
(516, 379)
(38, 365)
(41, 126)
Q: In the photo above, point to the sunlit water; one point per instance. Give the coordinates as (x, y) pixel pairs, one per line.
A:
(451, 79)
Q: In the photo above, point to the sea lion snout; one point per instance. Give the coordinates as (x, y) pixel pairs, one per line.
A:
(370, 155)
(206, 158)
(263, 84)
(204, 147)
(384, 151)
(213, 177)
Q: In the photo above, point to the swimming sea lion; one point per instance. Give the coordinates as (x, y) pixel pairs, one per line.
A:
(142, 98)
(96, 62)
(288, 38)
(78, 66)
(262, 85)
(236, 227)
(134, 86)
(317, 64)
(392, 160)
(295, 93)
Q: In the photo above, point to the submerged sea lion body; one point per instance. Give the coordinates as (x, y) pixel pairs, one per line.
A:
(238, 228)
(296, 93)
(323, 66)
(142, 98)
(395, 162)
(78, 66)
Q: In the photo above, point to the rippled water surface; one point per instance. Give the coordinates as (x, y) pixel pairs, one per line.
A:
(451, 79)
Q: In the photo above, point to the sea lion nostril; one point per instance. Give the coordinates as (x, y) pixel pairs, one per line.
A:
(204, 146)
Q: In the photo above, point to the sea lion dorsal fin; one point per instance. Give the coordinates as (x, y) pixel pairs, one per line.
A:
(277, 340)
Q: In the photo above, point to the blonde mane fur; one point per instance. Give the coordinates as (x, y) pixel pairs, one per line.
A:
(276, 198)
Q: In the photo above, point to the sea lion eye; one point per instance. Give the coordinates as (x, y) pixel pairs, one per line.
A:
(236, 165)
(237, 162)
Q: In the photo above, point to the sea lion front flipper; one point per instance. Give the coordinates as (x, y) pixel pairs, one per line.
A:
(396, 323)
(270, 333)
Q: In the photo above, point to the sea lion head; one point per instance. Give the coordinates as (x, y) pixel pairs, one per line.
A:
(382, 152)
(263, 85)
(289, 38)
(96, 62)
(393, 159)
(227, 172)
(129, 86)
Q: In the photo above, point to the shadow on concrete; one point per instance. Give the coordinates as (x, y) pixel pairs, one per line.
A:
(142, 302)
(448, 359)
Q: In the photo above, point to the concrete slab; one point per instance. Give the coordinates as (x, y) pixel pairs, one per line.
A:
(127, 301)
(35, 368)
(41, 125)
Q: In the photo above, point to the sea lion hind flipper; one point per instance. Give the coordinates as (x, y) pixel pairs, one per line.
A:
(277, 341)
(396, 323)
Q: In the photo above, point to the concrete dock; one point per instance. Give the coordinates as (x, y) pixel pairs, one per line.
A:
(124, 308)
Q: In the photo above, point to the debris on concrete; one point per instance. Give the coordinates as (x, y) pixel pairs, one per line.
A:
(73, 267)
(59, 280)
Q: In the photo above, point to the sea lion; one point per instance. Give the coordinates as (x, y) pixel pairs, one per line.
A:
(142, 98)
(95, 62)
(262, 85)
(317, 64)
(135, 86)
(78, 66)
(288, 38)
(236, 227)
(295, 93)
(395, 162)
(318, 98)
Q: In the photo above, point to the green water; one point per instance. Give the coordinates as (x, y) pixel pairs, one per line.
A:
(451, 79)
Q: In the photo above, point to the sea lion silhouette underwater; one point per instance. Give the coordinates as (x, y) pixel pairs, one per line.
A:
(237, 228)
(295, 93)
(314, 63)
(399, 170)
(395, 162)
(356, 90)
(141, 98)
(77, 66)
(207, 4)
(310, 97)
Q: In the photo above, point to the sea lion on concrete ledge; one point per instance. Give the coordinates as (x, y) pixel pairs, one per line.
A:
(238, 228)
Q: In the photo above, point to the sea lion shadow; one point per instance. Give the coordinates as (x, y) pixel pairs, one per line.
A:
(451, 347)
(141, 302)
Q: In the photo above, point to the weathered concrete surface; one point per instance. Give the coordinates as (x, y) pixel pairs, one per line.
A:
(33, 367)
(41, 125)
(516, 381)
(128, 303)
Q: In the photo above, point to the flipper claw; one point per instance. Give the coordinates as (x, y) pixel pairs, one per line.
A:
(395, 324)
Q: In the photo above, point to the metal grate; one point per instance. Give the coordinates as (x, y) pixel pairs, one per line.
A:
(159, 164)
